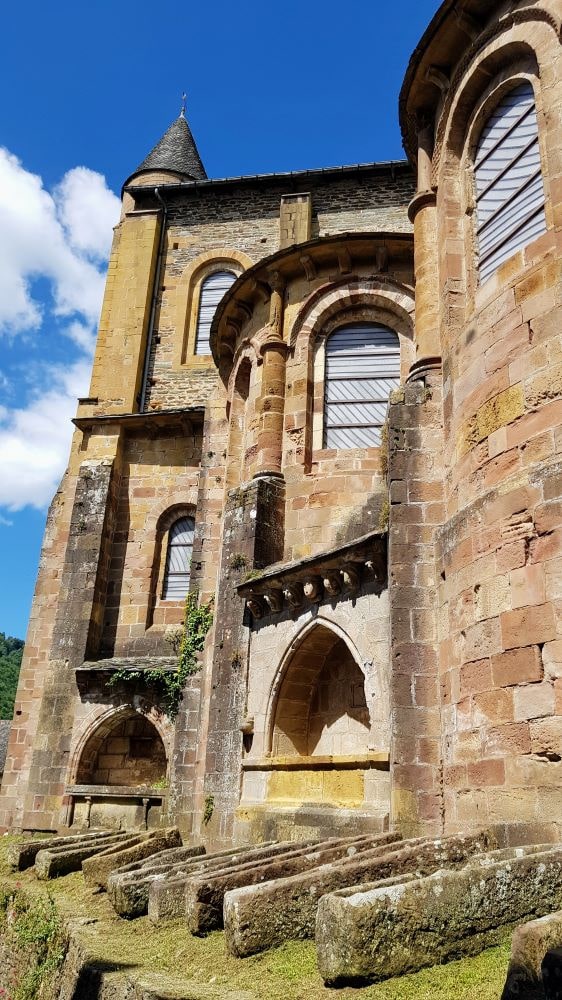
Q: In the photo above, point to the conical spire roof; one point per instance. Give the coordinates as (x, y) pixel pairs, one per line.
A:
(176, 152)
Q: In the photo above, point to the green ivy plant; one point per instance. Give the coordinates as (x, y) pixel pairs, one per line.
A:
(197, 622)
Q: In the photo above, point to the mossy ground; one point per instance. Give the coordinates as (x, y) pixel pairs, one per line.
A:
(286, 973)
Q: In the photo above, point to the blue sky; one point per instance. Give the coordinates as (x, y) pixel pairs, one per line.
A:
(93, 86)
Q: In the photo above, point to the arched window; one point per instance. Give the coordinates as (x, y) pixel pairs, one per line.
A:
(212, 290)
(178, 559)
(362, 368)
(509, 185)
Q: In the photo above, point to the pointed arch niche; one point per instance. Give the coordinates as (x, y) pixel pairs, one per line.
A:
(320, 708)
(320, 764)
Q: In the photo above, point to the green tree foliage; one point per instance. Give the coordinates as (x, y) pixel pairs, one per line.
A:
(11, 651)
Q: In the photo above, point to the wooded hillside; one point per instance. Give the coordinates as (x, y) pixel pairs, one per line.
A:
(11, 651)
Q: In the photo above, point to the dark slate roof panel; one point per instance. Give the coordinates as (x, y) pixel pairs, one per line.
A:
(176, 151)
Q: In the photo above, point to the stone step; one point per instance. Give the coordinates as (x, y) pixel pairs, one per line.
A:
(263, 916)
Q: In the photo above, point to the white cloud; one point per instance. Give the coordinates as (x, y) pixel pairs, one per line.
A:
(51, 237)
(34, 441)
(88, 210)
(5, 522)
(64, 238)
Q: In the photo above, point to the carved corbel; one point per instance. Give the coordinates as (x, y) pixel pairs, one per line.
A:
(351, 577)
(294, 594)
(255, 604)
(309, 266)
(467, 23)
(373, 569)
(381, 259)
(313, 588)
(274, 600)
(259, 289)
(344, 260)
(332, 583)
(436, 76)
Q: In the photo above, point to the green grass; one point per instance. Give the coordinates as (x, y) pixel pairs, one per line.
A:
(286, 973)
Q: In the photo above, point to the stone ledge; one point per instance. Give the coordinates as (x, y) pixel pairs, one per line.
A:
(338, 573)
(116, 791)
(134, 664)
(379, 761)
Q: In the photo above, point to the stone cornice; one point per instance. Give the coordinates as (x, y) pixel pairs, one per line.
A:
(337, 574)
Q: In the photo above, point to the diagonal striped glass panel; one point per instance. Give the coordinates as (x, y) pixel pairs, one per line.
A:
(212, 290)
(509, 185)
(178, 559)
(362, 368)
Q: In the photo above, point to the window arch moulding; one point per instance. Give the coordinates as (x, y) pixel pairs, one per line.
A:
(493, 73)
(188, 297)
(162, 602)
(382, 303)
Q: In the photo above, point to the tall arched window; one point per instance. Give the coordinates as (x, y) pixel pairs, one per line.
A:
(509, 185)
(212, 290)
(362, 368)
(178, 559)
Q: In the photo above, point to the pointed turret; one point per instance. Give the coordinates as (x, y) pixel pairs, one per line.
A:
(176, 154)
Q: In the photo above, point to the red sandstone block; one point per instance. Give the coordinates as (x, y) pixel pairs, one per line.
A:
(546, 546)
(482, 639)
(475, 677)
(486, 772)
(428, 751)
(494, 707)
(511, 555)
(425, 491)
(517, 666)
(455, 775)
(527, 585)
(528, 626)
(512, 738)
(533, 701)
(546, 736)
(548, 516)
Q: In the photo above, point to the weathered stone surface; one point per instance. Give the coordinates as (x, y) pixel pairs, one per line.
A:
(260, 917)
(96, 870)
(129, 887)
(22, 853)
(204, 894)
(68, 858)
(373, 933)
(529, 945)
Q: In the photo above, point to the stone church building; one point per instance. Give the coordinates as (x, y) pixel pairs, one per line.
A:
(330, 403)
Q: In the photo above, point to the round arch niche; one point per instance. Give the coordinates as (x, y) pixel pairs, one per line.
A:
(126, 750)
(321, 707)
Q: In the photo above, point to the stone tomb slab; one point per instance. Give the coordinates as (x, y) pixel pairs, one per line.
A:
(263, 916)
(205, 893)
(56, 861)
(370, 933)
(22, 853)
(529, 944)
(128, 887)
(97, 869)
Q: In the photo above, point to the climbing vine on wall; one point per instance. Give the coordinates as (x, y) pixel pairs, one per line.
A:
(190, 642)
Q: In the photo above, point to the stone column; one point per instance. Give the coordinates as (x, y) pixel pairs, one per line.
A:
(271, 404)
(423, 214)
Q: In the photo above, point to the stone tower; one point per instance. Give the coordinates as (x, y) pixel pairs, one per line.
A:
(328, 402)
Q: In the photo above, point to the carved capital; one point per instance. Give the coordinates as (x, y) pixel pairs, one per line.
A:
(313, 588)
(332, 583)
(294, 594)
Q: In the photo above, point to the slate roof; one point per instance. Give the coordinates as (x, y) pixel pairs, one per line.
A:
(176, 151)
(4, 733)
